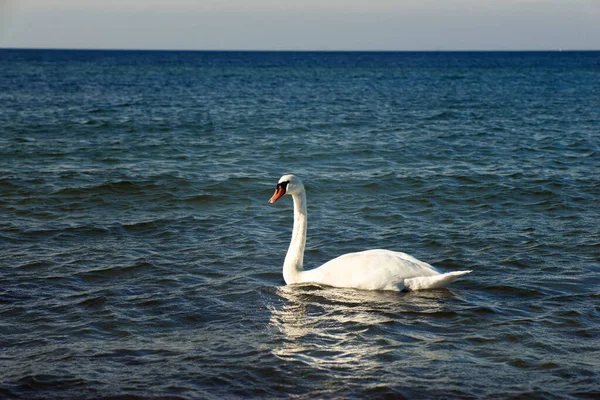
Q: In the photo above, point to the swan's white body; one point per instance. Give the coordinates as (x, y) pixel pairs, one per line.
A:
(368, 270)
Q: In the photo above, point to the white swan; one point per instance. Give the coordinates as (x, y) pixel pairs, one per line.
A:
(368, 270)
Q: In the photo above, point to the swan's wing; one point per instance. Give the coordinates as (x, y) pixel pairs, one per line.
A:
(370, 270)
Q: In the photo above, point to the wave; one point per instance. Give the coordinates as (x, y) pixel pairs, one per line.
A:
(117, 187)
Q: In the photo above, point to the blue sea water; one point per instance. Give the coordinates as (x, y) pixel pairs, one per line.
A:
(139, 257)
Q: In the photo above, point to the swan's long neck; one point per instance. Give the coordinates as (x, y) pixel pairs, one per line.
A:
(292, 266)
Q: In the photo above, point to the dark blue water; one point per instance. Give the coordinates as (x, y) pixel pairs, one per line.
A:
(139, 256)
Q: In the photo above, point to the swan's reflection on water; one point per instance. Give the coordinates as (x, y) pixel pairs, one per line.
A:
(332, 328)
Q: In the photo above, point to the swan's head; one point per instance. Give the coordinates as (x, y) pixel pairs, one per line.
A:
(288, 184)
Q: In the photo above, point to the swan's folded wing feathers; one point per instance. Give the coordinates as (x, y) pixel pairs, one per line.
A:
(370, 270)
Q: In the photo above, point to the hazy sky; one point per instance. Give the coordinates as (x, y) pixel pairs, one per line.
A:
(302, 24)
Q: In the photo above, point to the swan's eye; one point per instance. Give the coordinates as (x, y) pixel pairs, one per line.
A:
(283, 185)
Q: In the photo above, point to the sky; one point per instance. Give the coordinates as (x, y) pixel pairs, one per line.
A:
(301, 24)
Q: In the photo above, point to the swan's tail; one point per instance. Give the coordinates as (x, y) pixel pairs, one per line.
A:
(432, 282)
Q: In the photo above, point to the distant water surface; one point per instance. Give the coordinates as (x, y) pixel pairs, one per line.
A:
(139, 256)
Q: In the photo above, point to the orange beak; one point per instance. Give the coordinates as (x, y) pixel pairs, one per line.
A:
(279, 191)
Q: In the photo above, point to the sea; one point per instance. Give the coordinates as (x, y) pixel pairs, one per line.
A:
(139, 258)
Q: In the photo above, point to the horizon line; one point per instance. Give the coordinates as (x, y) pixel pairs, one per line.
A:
(306, 50)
